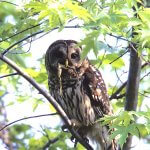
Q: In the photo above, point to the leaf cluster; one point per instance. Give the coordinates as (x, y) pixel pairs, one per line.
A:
(128, 122)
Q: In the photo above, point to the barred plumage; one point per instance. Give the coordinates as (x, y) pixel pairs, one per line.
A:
(79, 88)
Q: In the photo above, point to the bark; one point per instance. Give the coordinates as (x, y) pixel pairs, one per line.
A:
(133, 81)
(132, 88)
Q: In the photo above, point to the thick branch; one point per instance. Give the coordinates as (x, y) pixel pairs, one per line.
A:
(133, 81)
(49, 98)
(132, 88)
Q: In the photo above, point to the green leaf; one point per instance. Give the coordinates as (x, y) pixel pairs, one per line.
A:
(4, 45)
(4, 69)
(144, 129)
(145, 15)
(32, 72)
(124, 118)
(113, 59)
(107, 119)
(90, 43)
(78, 11)
(43, 14)
(122, 132)
(134, 22)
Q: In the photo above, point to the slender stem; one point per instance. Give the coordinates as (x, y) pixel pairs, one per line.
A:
(13, 45)
(44, 115)
(21, 32)
(9, 3)
(115, 94)
(8, 75)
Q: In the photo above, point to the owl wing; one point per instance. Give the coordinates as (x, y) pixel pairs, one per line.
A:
(95, 88)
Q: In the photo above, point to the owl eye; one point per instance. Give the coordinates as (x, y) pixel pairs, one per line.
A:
(74, 55)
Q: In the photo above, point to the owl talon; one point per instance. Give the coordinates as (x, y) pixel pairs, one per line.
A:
(64, 128)
(86, 140)
(75, 141)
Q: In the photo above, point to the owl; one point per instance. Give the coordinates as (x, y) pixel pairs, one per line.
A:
(80, 90)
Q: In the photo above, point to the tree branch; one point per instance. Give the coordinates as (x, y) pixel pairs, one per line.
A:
(50, 141)
(7, 75)
(34, 34)
(13, 45)
(21, 32)
(115, 94)
(9, 124)
(9, 3)
(50, 99)
(119, 57)
(29, 29)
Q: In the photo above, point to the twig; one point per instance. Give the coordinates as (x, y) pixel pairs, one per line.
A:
(145, 76)
(50, 99)
(29, 29)
(7, 75)
(21, 32)
(120, 37)
(144, 95)
(101, 62)
(9, 3)
(44, 115)
(145, 64)
(30, 43)
(120, 96)
(50, 141)
(13, 45)
(119, 57)
(118, 76)
(36, 33)
(115, 95)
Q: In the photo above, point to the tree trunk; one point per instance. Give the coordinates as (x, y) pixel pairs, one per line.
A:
(133, 80)
(132, 88)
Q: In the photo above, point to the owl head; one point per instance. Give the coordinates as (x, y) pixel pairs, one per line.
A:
(60, 52)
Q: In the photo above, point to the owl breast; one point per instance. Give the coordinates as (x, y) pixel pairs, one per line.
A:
(74, 101)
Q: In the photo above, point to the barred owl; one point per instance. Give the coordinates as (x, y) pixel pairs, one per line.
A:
(80, 90)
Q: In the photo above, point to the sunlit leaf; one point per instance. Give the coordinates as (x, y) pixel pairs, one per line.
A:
(114, 60)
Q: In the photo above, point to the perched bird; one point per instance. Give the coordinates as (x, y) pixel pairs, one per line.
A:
(80, 90)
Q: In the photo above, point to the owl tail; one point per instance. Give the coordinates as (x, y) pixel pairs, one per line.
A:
(99, 134)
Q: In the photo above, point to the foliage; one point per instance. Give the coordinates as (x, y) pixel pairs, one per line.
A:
(126, 122)
(108, 27)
